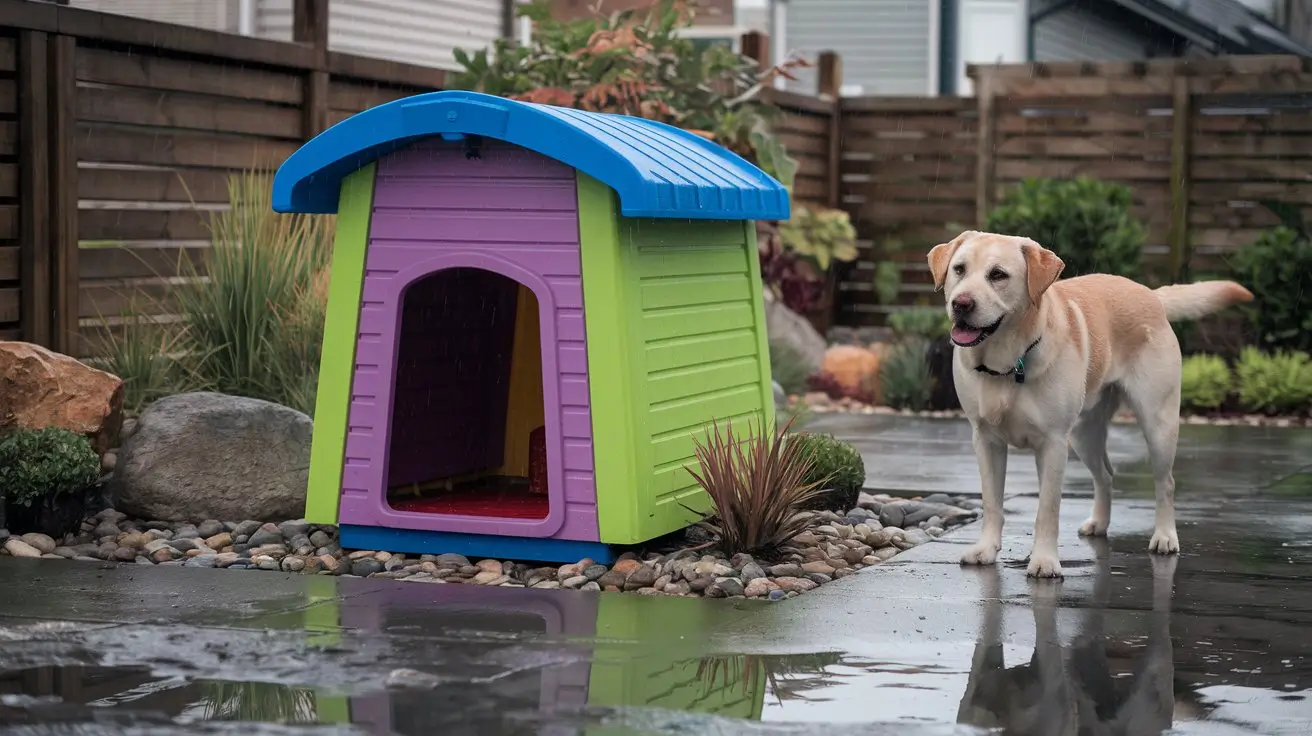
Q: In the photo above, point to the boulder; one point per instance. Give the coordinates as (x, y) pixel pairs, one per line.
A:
(40, 388)
(200, 456)
(792, 330)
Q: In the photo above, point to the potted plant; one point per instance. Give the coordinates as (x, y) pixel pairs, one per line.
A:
(46, 476)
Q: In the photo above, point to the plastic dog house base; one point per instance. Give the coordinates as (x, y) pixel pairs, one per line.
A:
(488, 546)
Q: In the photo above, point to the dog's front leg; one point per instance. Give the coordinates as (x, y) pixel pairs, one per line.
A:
(1050, 457)
(991, 453)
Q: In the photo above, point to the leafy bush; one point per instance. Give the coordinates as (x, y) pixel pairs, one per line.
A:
(821, 235)
(1205, 382)
(904, 375)
(828, 384)
(1274, 383)
(788, 368)
(928, 322)
(1085, 221)
(757, 487)
(252, 308)
(43, 463)
(1277, 268)
(630, 62)
(838, 469)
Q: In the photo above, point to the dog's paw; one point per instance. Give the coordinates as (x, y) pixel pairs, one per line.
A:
(1164, 542)
(1044, 566)
(1093, 527)
(980, 553)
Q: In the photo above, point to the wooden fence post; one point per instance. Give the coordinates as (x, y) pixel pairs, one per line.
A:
(62, 132)
(830, 81)
(310, 26)
(1181, 150)
(34, 187)
(985, 168)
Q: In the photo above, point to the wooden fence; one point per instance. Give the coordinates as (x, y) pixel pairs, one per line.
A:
(1199, 142)
(117, 134)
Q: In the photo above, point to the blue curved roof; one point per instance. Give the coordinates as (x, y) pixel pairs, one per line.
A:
(657, 170)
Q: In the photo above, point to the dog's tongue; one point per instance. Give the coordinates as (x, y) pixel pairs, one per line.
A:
(963, 335)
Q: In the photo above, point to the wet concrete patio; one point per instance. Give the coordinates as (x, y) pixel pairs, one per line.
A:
(1211, 642)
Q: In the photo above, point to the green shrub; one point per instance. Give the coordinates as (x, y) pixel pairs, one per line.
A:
(837, 467)
(1274, 383)
(1205, 382)
(1277, 268)
(1085, 221)
(788, 368)
(43, 463)
(904, 375)
(927, 322)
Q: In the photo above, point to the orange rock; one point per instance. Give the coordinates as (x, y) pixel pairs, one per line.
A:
(855, 368)
(40, 388)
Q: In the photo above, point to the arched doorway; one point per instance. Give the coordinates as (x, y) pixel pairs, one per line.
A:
(468, 416)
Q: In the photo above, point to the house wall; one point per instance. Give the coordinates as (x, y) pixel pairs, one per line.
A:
(886, 45)
(709, 12)
(424, 32)
(510, 210)
(1080, 34)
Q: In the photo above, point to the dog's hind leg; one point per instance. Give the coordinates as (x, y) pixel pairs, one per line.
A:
(1154, 395)
(1089, 439)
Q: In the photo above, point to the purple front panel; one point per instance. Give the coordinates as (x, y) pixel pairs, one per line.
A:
(453, 368)
(512, 212)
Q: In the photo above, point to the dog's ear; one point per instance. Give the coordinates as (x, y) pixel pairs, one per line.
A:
(941, 255)
(1042, 267)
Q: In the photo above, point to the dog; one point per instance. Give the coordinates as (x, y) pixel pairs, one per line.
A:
(1071, 689)
(1043, 365)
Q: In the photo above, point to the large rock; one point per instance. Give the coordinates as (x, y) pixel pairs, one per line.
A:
(788, 328)
(201, 456)
(40, 388)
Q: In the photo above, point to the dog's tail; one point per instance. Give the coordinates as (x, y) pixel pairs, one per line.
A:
(1192, 301)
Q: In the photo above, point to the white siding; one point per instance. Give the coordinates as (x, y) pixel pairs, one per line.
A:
(1078, 35)
(989, 32)
(885, 44)
(422, 32)
(214, 15)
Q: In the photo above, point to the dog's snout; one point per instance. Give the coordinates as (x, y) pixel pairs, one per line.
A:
(963, 304)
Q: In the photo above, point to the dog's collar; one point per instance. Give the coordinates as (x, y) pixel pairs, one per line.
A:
(1017, 370)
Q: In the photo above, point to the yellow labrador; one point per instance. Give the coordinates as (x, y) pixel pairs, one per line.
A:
(1043, 364)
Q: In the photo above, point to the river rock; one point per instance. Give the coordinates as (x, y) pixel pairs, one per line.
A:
(167, 468)
(43, 389)
(41, 542)
(19, 548)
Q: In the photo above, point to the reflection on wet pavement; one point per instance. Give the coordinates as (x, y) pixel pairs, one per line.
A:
(1211, 642)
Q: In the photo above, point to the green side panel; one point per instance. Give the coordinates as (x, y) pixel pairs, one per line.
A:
(333, 401)
(763, 339)
(609, 389)
(671, 671)
(699, 355)
(676, 340)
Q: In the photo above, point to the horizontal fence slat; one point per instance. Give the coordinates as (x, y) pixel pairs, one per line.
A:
(9, 262)
(206, 186)
(182, 110)
(152, 71)
(138, 263)
(104, 224)
(113, 145)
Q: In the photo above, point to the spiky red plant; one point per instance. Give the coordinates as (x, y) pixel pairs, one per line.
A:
(756, 486)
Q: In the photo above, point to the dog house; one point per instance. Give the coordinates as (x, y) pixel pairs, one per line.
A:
(532, 312)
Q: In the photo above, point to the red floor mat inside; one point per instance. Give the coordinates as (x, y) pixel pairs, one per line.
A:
(501, 503)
